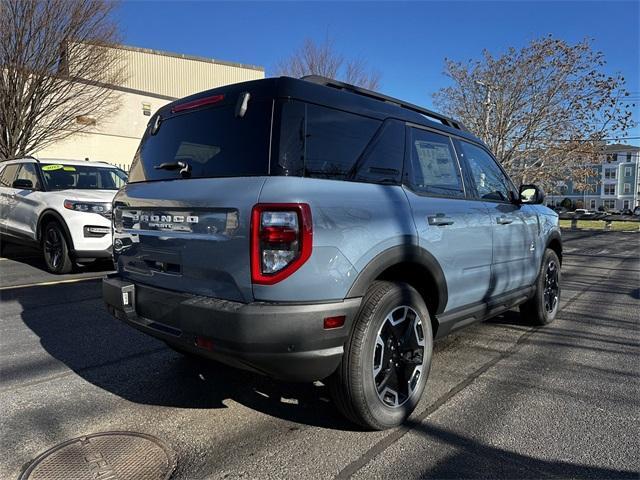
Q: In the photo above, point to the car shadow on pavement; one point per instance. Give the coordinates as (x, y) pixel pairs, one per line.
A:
(117, 358)
(32, 256)
(472, 459)
(141, 369)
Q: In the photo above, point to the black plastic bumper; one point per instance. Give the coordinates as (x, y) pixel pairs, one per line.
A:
(285, 341)
(92, 253)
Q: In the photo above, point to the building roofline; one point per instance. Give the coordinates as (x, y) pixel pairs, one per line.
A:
(620, 147)
(188, 57)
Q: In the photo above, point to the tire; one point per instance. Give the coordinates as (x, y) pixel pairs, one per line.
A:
(55, 249)
(366, 388)
(3, 245)
(542, 308)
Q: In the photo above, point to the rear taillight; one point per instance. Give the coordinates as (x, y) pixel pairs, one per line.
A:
(281, 240)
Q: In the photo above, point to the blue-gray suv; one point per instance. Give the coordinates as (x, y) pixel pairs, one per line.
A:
(312, 230)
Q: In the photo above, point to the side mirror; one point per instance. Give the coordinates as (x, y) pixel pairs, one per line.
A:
(23, 184)
(531, 195)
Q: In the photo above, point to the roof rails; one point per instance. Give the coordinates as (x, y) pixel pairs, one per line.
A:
(329, 82)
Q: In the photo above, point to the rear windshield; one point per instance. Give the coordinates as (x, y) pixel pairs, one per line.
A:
(213, 141)
(58, 176)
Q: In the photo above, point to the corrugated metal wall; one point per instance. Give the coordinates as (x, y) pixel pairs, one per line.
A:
(177, 75)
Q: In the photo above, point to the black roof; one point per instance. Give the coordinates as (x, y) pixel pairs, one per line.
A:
(331, 93)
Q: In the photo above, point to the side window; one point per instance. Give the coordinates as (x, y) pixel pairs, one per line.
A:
(28, 172)
(322, 142)
(489, 180)
(433, 167)
(8, 175)
(382, 162)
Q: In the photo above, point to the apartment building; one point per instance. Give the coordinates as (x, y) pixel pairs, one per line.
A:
(616, 185)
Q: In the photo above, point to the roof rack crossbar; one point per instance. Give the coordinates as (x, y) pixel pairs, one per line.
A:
(329, 82)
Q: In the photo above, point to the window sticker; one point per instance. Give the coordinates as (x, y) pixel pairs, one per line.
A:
(48, 168)
(68, 168)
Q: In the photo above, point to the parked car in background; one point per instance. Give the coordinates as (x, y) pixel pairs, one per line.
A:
(61, 206)
(626, 211)
(636, 211)
(310, 229)
(582, 212)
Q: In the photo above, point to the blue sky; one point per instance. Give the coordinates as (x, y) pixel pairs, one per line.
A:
(406, 41)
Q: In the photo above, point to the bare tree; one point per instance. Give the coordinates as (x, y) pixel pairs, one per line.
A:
(545, 110)
(323, 59)
(55, 61)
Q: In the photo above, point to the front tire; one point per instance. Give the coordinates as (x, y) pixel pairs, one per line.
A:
(386, 361)
(543, 307)
(55, 248)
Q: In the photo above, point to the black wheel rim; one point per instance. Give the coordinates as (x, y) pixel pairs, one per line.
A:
(398, 356)
(551, 287)
(53, 247)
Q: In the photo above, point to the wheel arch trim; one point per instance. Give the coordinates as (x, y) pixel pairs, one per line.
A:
(400, 254)
(52, 213)
(554, 237)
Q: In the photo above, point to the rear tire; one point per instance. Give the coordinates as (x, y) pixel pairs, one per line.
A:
(386, 361)
(55, 248)
(543, 307)
(3, 246)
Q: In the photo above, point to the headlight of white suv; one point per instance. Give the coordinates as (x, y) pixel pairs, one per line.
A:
(101, 208)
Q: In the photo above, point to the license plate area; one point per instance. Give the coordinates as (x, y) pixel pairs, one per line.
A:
(128, 298)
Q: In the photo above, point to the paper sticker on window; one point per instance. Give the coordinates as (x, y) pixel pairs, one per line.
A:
(68, 168)
(48, 168)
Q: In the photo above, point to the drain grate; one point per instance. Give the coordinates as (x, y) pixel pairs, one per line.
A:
(104, 456)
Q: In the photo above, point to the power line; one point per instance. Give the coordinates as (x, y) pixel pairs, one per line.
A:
(592, 140)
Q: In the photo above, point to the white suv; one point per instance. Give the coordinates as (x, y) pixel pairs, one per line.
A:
(64, 206)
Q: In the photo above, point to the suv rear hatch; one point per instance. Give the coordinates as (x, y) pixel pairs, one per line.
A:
(183, 220)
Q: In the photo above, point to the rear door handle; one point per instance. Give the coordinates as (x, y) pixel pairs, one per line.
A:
(502, 220)
(439, 220)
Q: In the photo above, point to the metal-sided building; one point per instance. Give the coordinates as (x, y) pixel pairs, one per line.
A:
(153, 79)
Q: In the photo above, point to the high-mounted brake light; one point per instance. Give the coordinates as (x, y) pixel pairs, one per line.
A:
(281, 240)
(198, 103)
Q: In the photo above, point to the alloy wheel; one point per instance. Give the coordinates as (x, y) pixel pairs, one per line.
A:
(398, 356)
(53, 247)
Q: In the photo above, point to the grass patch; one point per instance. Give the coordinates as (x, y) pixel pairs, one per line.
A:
(599, 225)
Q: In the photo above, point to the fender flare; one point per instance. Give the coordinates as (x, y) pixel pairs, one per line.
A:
(58, 217)
(402, 254)
(554, 236)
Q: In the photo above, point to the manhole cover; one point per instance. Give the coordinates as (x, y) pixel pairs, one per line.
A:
(104, 456)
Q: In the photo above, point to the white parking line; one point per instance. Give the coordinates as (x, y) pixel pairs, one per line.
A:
(56, 282)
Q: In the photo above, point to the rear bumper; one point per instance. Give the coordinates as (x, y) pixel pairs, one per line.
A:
(285, 341)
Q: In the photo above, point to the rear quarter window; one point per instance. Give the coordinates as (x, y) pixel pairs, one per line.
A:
(321, 142)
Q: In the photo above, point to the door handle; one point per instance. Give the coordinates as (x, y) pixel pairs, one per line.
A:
(439, 220)
(502, 220)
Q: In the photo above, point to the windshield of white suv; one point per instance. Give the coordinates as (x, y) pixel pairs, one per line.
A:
(59, 176)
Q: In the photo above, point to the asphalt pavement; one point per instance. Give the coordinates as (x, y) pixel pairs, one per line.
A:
(504, 399)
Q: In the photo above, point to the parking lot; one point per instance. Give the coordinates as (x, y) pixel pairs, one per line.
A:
(504, 399)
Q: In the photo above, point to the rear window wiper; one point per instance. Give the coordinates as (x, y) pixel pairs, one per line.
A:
(184, 167)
